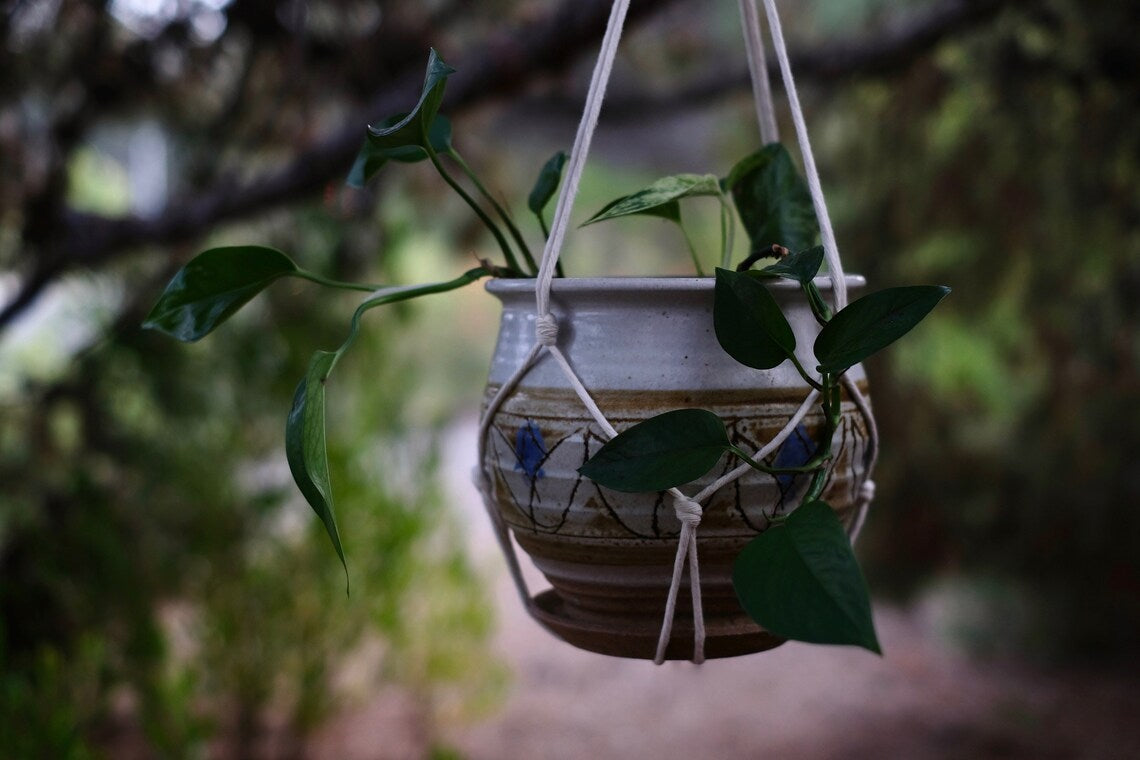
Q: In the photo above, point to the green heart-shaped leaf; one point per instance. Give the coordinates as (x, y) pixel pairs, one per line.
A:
(212, 286)
(801, 266)
(660, 198)
(661, 452)
(773, 201)
(748, 321)
(410, 131)
(305, 444)
(547, 183)
(372, 157)
(800, 580)
(872, 323)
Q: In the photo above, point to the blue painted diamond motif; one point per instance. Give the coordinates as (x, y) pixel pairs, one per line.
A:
(530, 450)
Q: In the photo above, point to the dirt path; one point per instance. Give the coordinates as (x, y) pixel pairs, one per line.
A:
(800, 701)
(920, 701)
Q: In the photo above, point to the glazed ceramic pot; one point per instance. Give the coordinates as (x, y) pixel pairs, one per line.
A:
(643, 346)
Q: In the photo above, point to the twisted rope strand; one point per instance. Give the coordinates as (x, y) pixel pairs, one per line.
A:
(870, 457)
(758, 72)
(578, 154)
(689, 512)
(486, 485)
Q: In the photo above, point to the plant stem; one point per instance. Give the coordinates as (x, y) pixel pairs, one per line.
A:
(314, 277)
(814, 464)
(502, 212)
(508, 254)
(727, 231)
(385, 296)
(819, 307)
(804, 374)
(692, 250)
(815, 488)
(831, 412)
(830, 404)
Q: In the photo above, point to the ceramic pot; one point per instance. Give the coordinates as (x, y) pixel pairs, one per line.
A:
(643, 346)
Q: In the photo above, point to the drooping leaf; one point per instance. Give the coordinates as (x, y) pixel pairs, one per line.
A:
(305, 445)
(372, 157)
(749, 323)
(661, 452)
(305, 428)
(661, 198)
(410, 130)
(547, 183)
(212, 286)
(773, 200)
(800, 580)
(801, 266)
(872, 323)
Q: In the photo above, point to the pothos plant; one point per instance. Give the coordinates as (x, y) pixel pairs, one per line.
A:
(799, 578)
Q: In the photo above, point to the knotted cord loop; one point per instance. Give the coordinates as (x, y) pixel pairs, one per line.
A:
(546, 330)
(689, 512)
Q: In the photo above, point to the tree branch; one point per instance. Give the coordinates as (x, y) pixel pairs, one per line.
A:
(885, 54)
(505, 66)
(539, 48)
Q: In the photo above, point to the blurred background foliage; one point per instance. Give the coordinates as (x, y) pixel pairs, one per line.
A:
(164, 591)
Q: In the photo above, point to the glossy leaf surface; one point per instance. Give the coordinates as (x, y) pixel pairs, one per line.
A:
(372, 157)
(872, 323)
(800, 580)
(662, 452)
(547, 183)
(748, 322)
(409, 130)
(773, 201)
(661, 198)
(212, 286)
(801, 266)
(305, 444)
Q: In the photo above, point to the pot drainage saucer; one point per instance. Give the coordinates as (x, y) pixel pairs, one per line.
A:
(725, 636)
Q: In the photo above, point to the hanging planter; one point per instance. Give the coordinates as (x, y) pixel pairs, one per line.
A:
(686, 460)
(642, 347)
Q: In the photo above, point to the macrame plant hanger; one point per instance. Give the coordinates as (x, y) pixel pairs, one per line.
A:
(688, 509)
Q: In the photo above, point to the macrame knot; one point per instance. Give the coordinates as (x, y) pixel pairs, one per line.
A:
(687, 511)
(546, 330)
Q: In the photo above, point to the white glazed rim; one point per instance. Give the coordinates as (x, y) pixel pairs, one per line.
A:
(512, 285)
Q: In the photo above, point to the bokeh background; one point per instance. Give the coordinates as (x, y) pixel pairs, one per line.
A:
(166, 593)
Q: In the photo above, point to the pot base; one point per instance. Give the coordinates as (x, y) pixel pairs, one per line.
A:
(725, 636)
